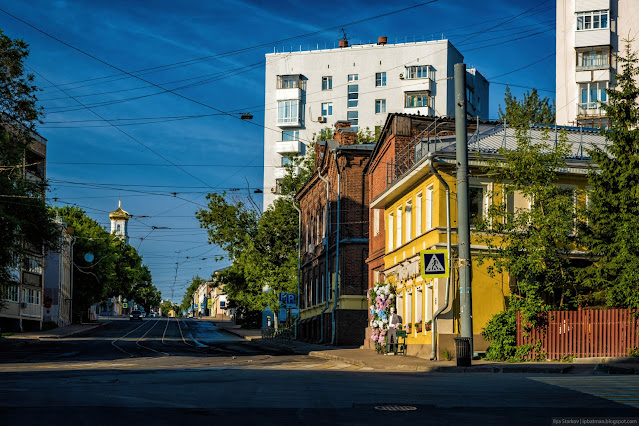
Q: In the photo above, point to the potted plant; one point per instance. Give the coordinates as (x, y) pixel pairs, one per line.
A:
(429, 325)
(418, 325)
(409, 327)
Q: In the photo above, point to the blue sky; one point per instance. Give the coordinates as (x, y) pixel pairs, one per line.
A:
(159, 152)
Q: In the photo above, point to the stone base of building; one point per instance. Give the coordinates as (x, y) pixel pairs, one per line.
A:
(350, 325)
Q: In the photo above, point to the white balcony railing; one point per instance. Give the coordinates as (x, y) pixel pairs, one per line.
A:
(590, 109)
(31, 310)
(288, 147)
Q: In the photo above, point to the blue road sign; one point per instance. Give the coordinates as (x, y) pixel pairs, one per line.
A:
(434, 264)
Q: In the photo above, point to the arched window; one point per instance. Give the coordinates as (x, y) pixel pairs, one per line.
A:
(118, 228)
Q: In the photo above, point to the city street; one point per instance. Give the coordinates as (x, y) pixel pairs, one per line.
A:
(168, 371)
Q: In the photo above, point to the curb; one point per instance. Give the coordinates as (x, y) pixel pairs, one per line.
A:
(605, 360)
(411, 368)
(62, 336)
(614, 369)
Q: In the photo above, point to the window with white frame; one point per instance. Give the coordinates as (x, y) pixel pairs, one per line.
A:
(33, 265)
(409, 220)
(288, 81)
(288, 111)
(380, 106)
(286, 161)
(391, 233)
(327, 109)
(290, 135)
(10, 293)
(327, 83)
(593, 58)
(353, 95)
(375, 222)
(429, 208)
(353, 117)
(399, 227)
(353, 77)
(417, 99)
(476, 204)
(30, 295)
(380, 79)
(593, 20)
(418, 214)
(593, 93)
(418, 71)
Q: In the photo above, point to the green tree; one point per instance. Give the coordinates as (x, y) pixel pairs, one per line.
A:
(26, 223)
(187, 300)
(529, 244)
(532, 109)
(613, 217)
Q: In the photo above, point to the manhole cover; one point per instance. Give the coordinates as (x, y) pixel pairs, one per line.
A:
(395, 408)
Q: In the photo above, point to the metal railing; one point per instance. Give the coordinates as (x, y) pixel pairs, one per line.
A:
(281, 335)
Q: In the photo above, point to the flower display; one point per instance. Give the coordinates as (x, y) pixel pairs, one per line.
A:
(382, 298)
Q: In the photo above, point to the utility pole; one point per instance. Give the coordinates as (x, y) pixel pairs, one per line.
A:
(463, 219)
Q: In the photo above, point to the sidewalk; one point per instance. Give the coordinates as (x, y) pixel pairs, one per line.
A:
(56, 333)
(369, 358)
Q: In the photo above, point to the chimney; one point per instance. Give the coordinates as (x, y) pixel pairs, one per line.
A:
(344, 135)
(381, 40)
(343, 43)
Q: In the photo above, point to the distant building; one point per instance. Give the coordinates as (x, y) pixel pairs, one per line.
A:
(590, 37)
(120, 223)
(57, 281)
(333, 305)
(308, 91)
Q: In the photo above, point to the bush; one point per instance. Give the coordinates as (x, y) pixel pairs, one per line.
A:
(501, 331)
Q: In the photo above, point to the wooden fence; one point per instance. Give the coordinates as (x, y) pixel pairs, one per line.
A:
(586, 333)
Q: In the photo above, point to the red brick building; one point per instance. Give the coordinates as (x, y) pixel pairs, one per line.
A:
(337, 244)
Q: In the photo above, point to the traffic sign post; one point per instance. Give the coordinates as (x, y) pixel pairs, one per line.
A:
(434, 264)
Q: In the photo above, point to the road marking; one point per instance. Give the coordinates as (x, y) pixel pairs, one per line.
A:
(624, 390)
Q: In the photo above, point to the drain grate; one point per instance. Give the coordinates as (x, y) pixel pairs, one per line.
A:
(395, 408)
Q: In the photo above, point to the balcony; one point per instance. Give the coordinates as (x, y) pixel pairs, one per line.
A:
(291, 94)
(590, 109)
(288, 147)
(31, 310)
(599, 37)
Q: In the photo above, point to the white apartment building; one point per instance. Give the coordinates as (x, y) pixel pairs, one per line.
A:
(590, 35)
(307, 91)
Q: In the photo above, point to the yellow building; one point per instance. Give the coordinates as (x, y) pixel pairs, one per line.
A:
(414, 213)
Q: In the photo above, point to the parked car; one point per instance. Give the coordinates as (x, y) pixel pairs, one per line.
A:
(135, 316)
(152, 315)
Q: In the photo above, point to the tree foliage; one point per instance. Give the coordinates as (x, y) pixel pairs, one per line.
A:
(187, 300)
(26, 223)
(613, 216)
(117, 268)
(532, 109)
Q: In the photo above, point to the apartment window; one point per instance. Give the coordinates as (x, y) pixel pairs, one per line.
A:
(399, 227)
(353, 117)
(375, 222)
(417, 99)
(286, 161)
(290, 135)
(391, 234)
(10, 293)
(380, 79)
(476, 204)
(418, 214)
(353, 77)
(417, 71)
(288, 111)
(593, 20)
(593, 58)
(327, 83)
(31, 296)
(429, 208)
(380, 106)
(353, 95)
(591, 94)
(288, 81)
(327, 109)
(33, 265)
(409, 220)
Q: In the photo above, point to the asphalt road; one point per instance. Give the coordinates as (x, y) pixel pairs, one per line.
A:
(168, 372)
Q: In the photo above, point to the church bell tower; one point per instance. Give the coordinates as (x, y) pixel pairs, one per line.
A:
(119, 223)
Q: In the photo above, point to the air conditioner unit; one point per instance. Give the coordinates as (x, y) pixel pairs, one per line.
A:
(401, 76)
(273, 189)
(321, 119)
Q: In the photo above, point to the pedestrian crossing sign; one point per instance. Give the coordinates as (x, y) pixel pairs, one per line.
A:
(434, 264)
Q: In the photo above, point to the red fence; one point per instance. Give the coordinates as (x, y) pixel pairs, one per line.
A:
(586, 333)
